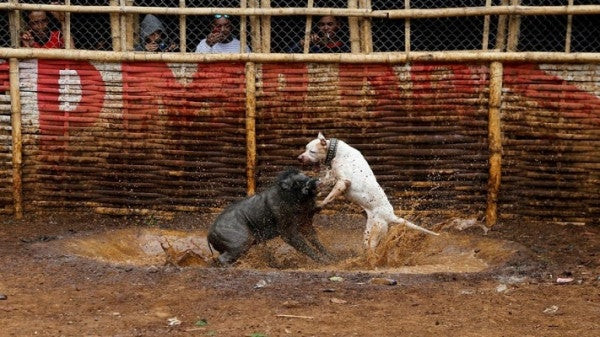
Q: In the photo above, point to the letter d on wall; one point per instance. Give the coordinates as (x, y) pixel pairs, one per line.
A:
(70, 96)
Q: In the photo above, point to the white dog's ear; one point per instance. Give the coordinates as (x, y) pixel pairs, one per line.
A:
(322, 139)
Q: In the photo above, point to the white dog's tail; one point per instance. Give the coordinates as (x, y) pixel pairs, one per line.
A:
(413, 226)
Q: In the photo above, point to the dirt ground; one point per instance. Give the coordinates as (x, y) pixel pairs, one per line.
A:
(84, 275)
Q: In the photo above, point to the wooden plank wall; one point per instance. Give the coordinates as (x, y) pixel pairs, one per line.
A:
(126, 138)
(551, 125)
(137, 136)
(422, 128)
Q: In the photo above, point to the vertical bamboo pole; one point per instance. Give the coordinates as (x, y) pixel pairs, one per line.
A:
(514, 27)
(66, 29)
(569, 30)
(130, 19)
(361, 28)
(123, 27)
(407, 29)
(369, 29)
(354, 29)
(494, 143)
(115, 28)
(308, 29)
(182, 29)
(127, 27)
(365, 29)
(243, 27)
(17, 141)
(251, 127)
(255, 29)
(485, 39)
(14, 19)
(501, 34)
(266, 28)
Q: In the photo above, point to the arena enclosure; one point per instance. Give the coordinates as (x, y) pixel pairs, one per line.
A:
(472, 108)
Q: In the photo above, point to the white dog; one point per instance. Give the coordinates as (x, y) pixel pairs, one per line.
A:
(353, 175)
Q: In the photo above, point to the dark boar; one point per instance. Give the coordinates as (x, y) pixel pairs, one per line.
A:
(285, 209)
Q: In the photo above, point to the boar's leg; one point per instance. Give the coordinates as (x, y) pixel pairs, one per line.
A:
(296, 240)
(309, 232)
(231, 242)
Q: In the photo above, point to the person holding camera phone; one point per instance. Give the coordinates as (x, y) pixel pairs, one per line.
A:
(153, 37)
(327, 38)
(220, 39)
(41, 32)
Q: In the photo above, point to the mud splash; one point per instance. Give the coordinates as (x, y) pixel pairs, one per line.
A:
(141, 247)
(403, 251)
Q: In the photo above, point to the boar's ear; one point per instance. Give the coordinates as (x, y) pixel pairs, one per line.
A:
(285, 184)
(286, 178)
(322, 139)
(309, 185)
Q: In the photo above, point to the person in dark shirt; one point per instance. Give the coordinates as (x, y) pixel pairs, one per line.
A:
(327, 39)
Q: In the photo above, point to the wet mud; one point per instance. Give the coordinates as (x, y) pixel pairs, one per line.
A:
(403, 251)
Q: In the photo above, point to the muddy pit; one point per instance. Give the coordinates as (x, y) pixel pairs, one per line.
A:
(90, 275)
(404, 251)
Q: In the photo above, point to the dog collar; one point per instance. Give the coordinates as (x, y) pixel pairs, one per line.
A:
(331, 150)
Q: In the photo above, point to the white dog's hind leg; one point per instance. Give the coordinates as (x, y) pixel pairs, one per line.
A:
(375, 231)
(413, 226)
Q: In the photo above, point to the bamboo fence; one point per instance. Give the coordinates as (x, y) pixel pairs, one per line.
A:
(453, 133)
(433, 133)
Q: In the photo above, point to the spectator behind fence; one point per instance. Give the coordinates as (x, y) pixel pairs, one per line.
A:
(153, 37)
(40, 34)
(327, 39)
(220, 40)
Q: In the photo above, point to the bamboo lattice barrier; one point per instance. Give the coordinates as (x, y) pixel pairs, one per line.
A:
(122, 16)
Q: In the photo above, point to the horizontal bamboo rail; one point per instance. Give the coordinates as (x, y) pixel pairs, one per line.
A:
(494, 10)
(315, 11)
(195, 11)
(388, 58)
